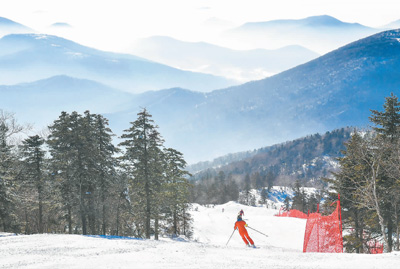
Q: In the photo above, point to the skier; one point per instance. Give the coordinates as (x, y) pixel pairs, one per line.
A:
(241, 226)
(241, 213)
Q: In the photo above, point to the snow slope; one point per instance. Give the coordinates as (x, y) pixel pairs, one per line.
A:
(212, 229)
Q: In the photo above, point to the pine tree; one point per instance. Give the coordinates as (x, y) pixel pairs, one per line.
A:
(346, 183)
(105, 163)
(60, 143)
(33, 173)
(8, 171)
(387, 125)
(177, 190)
(83, 167)
(299, 198)
(6, 185)
(388, 121)
(142, 162)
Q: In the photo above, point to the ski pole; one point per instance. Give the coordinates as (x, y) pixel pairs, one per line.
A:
(257, 231)
(230, 237)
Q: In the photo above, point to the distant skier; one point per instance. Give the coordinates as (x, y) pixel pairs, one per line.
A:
(241, 213)
(241, 226)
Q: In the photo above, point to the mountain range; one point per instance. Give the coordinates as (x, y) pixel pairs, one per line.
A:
(244, 65)
(41, 102)
(43, 75)
(256, 50)
(332, 91)
(317, 33)
(31, 57)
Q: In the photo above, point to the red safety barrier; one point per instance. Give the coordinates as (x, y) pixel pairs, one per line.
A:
(294, 213)
(324, 233)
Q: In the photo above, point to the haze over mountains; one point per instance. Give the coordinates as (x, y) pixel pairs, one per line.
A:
(332, 91)
(317, 33)
(243, 65)
(41, 102)
(30, 57)
(393, 25)
(256, 50)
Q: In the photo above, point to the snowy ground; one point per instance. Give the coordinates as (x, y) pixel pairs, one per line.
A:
(212, 229)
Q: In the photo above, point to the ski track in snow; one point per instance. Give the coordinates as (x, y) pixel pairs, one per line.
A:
(212, 229)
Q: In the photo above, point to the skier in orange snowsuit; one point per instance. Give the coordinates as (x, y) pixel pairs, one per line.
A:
(241, 226)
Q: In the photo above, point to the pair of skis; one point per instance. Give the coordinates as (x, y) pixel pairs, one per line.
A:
(247, 227)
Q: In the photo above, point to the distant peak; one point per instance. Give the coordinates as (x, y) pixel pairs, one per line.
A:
(61, 25)
(322, 19)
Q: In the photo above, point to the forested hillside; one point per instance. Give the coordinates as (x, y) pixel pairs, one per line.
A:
(306, 160)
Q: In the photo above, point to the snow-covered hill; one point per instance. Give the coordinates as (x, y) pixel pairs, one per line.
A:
(212, 229)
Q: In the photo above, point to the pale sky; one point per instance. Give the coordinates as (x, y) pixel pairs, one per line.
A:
(113, 24)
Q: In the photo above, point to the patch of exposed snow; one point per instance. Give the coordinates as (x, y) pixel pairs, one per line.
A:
(76, 54)
(40, 36)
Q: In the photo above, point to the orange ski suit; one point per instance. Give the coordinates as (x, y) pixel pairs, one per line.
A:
(240, 225)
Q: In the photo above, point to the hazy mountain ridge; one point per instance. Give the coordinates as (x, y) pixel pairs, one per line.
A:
(41, 102)
(30, 57)
(335, 90)
(318, 33)
(205, 57)
(392, 25)
(356, 72)
(314, 21)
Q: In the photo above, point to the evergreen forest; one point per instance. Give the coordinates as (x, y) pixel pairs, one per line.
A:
(75, 180)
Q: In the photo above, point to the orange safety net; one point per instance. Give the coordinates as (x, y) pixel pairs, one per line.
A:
(324, 233)
(294, 213)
